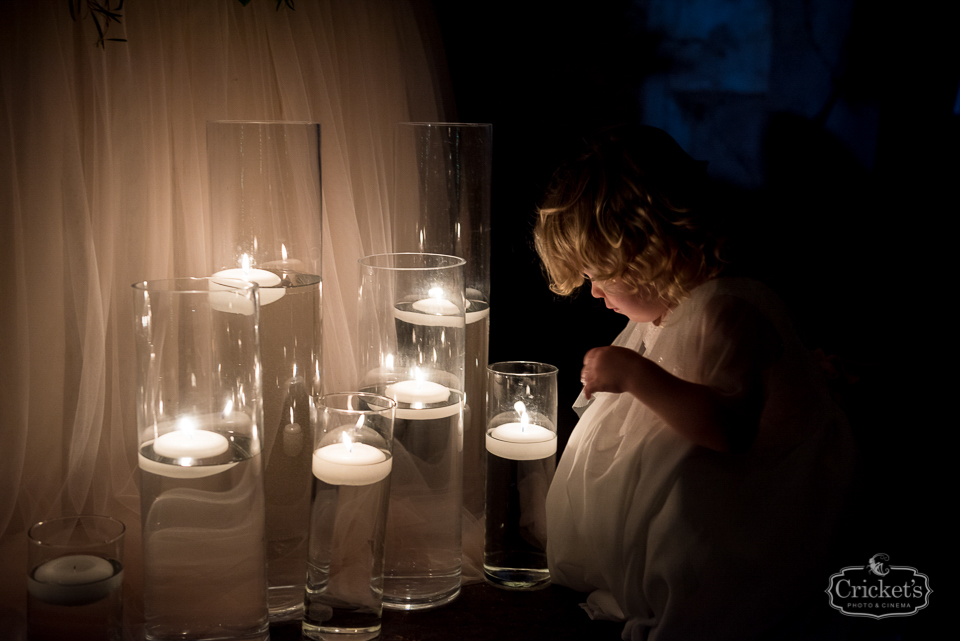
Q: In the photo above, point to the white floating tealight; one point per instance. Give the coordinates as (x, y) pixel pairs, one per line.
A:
(269, 282)
(521, 441)
(415, 394)
(76, 579)
(195, 444)
(349, 463)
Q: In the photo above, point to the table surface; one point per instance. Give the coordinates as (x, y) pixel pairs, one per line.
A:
(485, 612)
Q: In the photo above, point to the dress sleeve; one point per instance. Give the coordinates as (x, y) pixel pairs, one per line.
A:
(735, 345)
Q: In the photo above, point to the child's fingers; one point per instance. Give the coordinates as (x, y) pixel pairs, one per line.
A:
(586, 379)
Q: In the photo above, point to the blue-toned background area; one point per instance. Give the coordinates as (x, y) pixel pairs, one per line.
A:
(830, 128)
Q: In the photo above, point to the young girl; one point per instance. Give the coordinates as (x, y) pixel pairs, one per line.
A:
(697, 495)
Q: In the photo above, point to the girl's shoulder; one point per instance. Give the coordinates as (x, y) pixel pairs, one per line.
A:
(748, 289)
(727, 294)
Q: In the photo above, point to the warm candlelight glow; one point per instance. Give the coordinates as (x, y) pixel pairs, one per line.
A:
(522, 411)
(268, 281)
(522, 441)
(436, 304)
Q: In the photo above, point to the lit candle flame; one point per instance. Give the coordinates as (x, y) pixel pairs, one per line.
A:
(283, 251)
(345, 437)
(435, 292)
(186, 424)
(245, 262)
(522, 411)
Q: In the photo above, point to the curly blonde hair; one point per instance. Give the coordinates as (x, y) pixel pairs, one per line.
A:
(628, 208)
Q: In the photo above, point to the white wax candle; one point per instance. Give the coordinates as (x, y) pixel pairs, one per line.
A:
(418, 392)
(268, 281)
(351, 464)
(74, 569)
(436, 311)
(436, 306)
(76, 579)
(196, 444)
(521, 442)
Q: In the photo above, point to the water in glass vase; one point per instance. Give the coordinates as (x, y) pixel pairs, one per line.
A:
(515, 537)
(290, 341)
(475, 409)
(66, 609)
(423, 548)
(344, 586)
(203, 539)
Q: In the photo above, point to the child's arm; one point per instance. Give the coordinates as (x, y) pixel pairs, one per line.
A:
(722, 410)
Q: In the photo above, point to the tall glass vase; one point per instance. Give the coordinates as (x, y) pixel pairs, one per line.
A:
(521, 443)
(265, 204)
(412, 349)
(199, 429)
(443, 177)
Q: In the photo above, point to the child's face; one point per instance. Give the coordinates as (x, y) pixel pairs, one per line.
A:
(640, 307)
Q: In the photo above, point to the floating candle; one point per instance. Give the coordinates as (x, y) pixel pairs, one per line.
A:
(521, 441)
(351, 464)
(268, 281)
(436, 306)
(436, 311)
(416, 391)
(413, 395)
(76, 579)
(189, 443)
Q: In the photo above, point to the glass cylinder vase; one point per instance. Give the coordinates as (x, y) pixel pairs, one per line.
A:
(352, 462)
(75, 579)
(521, 443)
(443, 178)
(199, 420)
(265, 204)
(412, 350)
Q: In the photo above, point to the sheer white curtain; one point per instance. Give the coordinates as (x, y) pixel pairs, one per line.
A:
(103, 183)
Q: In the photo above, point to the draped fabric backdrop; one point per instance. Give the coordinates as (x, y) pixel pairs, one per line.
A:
(103, 182)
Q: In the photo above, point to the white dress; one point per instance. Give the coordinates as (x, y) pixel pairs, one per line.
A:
(683, 542)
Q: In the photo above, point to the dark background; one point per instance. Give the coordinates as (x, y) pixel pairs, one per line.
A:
(831, 132)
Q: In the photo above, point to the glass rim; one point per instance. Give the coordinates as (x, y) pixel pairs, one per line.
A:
(544, 368)
(165, 285)
(450, 262)
(263, 122)
(478, 125)
(31, 532)
(389, 403)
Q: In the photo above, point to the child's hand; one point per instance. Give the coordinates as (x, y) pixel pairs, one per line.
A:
(609, 369)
